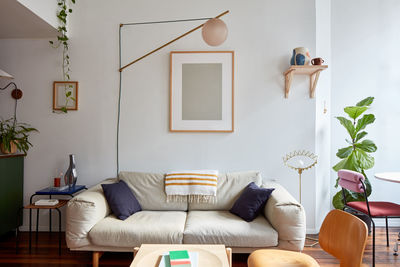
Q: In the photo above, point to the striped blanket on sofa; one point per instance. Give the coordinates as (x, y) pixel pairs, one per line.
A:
(192, 186)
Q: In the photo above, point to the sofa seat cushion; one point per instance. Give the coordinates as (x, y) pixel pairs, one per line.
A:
(223, 227)
(151, 227)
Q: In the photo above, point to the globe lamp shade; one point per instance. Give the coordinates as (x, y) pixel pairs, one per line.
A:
(214, 32)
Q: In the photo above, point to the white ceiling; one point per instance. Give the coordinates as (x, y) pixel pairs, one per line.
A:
(17, 21)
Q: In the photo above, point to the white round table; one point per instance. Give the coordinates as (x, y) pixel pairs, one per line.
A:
(389, 176)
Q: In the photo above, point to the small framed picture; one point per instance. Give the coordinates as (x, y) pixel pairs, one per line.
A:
(65, 95)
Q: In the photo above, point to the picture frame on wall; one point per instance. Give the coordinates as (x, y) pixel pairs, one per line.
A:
(65, 95)
(201, 91)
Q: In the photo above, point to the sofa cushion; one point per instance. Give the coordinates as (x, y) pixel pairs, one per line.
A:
(121, 200)
(250, 203)
(149, 191)
(144, 227)
(229, 188)
(223, 227)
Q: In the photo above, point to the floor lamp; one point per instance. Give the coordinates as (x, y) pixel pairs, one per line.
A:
(301, 161)
(214, 33)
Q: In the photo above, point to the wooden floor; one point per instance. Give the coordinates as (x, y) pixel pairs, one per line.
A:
(46, 253)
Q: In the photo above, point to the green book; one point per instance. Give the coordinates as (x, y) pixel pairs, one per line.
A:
(179, 258)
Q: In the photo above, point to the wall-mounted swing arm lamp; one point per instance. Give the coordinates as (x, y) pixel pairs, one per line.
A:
(15, 93)
(214, 33)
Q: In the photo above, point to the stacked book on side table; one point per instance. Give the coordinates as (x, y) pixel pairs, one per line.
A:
(180, 258)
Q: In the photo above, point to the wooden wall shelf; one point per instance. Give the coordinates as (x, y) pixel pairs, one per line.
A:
(312, 70)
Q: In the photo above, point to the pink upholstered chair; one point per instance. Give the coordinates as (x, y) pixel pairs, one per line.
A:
(354, 181)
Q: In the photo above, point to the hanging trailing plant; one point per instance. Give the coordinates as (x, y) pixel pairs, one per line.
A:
(62, 41)
(356, 156)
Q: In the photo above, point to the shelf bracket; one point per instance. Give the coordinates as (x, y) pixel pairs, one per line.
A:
(288, 82)
(313, 82)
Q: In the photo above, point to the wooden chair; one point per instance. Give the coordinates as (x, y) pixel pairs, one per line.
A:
(342, 235)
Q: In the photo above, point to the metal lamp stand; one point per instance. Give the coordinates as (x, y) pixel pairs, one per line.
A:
(300, 170)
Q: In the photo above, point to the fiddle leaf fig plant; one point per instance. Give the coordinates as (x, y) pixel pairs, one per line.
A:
(63, 40)
(356, 156)
(15, 133)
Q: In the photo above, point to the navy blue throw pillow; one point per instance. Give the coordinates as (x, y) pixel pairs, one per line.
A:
(121, 199)
(251, 202)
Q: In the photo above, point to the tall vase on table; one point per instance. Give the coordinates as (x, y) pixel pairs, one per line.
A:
(70, 175)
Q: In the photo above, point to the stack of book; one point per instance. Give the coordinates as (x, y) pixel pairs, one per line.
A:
(179, 258)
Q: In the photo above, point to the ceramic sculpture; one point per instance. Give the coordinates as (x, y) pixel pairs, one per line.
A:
(300, 56)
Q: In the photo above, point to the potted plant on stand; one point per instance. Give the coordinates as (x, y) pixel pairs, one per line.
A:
(14, 136)
(356, 156)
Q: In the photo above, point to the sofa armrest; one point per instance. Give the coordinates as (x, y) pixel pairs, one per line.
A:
(83, 212)
(287, 216)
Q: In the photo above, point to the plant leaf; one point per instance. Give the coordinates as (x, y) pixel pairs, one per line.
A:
(364, 121)
(364, 160)
(349, 163)
(344, 152)
(337, 201)
(355, 112)
(359, 136)
(348, 125)
(365, 102)
(367, 146)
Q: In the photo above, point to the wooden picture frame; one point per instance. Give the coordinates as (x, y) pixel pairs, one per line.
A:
(59, 95)
(201, 91)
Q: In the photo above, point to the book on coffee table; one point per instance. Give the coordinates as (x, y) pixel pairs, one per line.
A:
(166, 262)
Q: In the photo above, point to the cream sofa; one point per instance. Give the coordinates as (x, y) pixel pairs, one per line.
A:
(91, 226)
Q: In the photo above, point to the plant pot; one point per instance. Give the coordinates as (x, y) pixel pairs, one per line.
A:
(13, 148)
(365, 218)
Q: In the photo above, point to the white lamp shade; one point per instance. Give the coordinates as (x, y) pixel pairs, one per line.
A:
(5, 75)
(214, 32)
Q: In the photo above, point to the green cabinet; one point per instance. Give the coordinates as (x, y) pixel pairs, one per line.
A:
(11, 191)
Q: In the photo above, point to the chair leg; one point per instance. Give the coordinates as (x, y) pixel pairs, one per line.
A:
(387, 232)
(373, 243)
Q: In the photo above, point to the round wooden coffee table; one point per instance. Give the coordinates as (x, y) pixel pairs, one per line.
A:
(149, 255)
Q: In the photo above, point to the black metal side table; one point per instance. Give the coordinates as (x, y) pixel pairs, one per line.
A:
(62, 202)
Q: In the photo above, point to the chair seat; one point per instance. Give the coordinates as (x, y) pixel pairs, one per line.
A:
(377, 208)
(280, 258)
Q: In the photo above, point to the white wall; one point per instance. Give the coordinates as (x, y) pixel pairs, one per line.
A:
(262, 34)
(323, 113)
(365, 44)
(46, 9)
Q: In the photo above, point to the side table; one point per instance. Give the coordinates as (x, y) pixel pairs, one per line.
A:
(50, 191)
(61, 203)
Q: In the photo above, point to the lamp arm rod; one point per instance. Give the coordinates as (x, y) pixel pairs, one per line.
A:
(160, 22)
(170, 42)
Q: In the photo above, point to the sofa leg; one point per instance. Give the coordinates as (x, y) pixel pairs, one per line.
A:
(96, 258)
(229, 255)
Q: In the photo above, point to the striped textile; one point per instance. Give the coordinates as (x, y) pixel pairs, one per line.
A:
(196, 186)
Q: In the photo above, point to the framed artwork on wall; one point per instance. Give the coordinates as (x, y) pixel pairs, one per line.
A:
(201, 91)
(65, 95)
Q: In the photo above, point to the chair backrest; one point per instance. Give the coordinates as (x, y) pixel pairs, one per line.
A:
(344, 236)
(351, 180)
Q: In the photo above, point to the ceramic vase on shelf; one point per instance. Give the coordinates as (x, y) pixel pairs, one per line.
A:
(70, 175)
(301, 56)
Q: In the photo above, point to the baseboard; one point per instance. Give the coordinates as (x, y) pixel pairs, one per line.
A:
(312, 231)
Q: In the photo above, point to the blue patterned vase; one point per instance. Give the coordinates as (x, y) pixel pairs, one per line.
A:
(300, 56)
